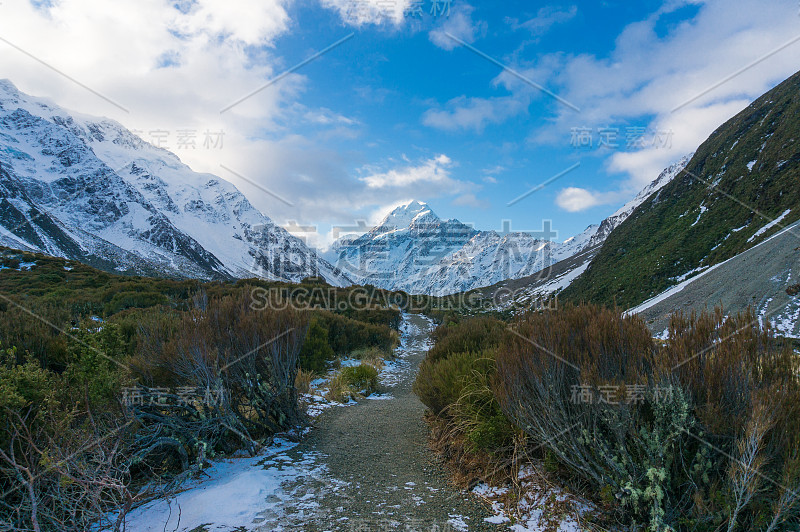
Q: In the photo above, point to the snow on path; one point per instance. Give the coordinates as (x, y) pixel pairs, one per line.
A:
(240, 493)
(234, 495)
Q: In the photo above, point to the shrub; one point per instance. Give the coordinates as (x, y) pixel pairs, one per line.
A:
(352, 382)
(473, 334)
(346, 334)
(711, 419)
(316, 351)
(124, 300)
(440, 382)
(244, 364)
(23, 384)
(50, 478)
(362, 378)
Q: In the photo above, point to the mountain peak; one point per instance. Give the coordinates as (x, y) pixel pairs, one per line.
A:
(151, 215)
(7, 87)
(408, 213)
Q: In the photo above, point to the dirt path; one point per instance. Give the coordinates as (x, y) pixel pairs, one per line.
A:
(365, 467)
(368, 467)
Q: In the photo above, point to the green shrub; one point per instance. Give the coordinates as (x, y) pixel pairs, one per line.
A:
(441, 382)
(456, 383)
(346, 334)
(96, 364)
(490, 433)
(352, 382)
(469, 335)
(362, 378)
(24, 384)
(124, 300)
(316, 351)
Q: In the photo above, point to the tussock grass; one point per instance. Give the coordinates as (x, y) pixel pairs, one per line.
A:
(302, 381)
(352, 383)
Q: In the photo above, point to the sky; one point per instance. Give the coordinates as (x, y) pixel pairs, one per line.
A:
(330, 112)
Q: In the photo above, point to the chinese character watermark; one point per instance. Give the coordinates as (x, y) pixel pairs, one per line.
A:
(612, 394)
(166, 397)
(613, 138)
(182, 139)
(416, 9)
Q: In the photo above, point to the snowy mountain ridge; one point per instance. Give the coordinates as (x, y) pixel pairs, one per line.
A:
(613, 221)
(413, 250)
(88, 189)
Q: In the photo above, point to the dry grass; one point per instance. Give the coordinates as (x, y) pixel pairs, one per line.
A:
(372, 356)
(303, 381)
(339, 390)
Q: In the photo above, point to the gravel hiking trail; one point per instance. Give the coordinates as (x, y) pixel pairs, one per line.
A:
(363, 467)
(368, 467)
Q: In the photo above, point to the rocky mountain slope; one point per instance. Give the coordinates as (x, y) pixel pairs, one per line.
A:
(741, 187)
(88, 189)
(766, 277)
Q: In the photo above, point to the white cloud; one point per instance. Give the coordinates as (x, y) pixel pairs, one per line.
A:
(460, 25)
(118, 49)
(495, 170)
(242, 20)
(362, 12)
(545, 19)
(649, 75)
(471, 200)
(645, 76)
(574, 199)
(218, 51)
(475, 114)
(685, 129)
(434, 170)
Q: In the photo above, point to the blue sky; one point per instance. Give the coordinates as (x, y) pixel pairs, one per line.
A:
(401, 110)
(391, 80)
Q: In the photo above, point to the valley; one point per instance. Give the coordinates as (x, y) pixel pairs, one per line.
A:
(392, 265)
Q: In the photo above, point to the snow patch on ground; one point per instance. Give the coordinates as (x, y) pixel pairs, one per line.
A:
(410, 341)
(540, 507)
(677, 288)
(785, 322)
(769, 226)
(458, 522)
(703, 209)
(232, 497)
(688, 274)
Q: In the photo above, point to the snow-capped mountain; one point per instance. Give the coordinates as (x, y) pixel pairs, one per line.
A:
(613, 221)
(740, 187)
(413, 250)
(399, 251)
(88, 189)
